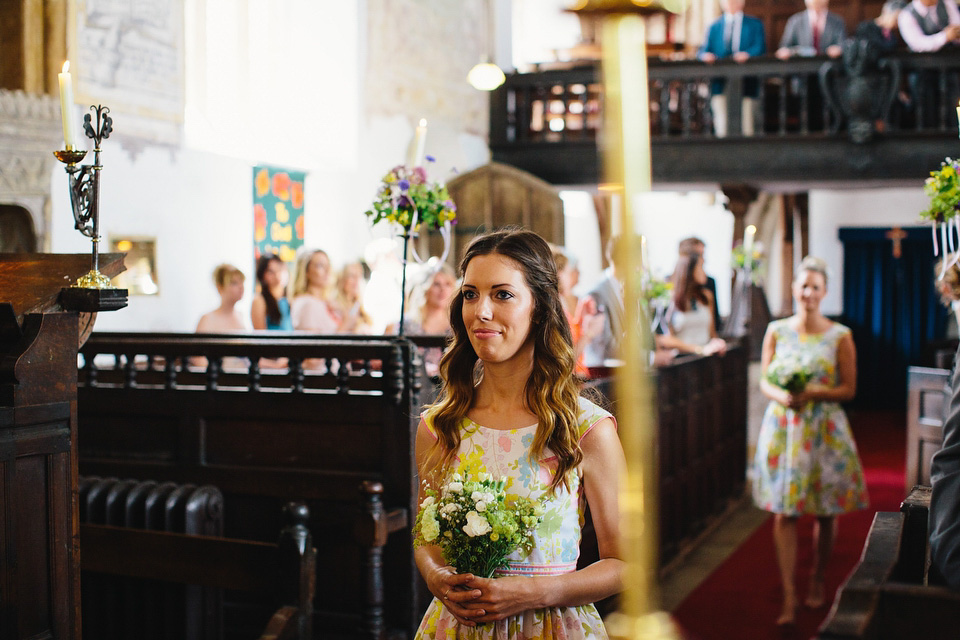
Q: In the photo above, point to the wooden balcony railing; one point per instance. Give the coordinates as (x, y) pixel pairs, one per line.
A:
(816, 119)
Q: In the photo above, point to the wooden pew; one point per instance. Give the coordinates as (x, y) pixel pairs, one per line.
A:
(285, 571)
(265, 436)
(701, 415)
(891, 593)
(927, 397)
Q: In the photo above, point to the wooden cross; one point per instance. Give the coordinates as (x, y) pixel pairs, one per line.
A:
(897, 235)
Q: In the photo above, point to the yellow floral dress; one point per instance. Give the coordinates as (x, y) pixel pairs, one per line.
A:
(806, 461)
(557, 541)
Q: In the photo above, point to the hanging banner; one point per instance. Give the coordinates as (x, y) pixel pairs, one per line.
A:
(277, 212)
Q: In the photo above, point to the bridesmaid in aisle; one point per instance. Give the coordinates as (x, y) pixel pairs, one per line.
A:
(806, 460)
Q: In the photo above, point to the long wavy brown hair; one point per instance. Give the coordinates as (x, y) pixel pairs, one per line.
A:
(551, 391)
(686, 289)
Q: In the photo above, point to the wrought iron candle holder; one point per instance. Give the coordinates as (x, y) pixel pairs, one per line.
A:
(85, 192)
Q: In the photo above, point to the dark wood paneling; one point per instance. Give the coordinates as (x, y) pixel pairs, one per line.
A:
(927, 397)
(285, 437)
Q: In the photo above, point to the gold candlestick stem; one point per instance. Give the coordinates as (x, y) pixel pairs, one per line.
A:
(626, 154)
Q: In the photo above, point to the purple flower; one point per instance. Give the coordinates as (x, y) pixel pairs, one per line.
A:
(404, 184)
(430, 158)
(403, 202)
(450, 205)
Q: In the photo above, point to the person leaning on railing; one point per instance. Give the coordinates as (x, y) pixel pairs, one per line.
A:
(737, 36)
(931, 25)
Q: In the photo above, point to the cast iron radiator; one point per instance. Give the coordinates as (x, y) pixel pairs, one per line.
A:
(116, 608)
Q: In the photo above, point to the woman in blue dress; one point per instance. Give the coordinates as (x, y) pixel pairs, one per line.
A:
(271, 308)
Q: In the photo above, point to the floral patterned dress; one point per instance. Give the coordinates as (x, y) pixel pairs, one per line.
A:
(557, 541)
(806, 461)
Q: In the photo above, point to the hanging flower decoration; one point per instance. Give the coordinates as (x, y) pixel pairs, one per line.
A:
(407, 198)
(943, 188)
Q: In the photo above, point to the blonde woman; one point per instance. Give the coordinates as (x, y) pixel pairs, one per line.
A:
(806, 461)
(225, 318)
(311, 309)
(348, 303)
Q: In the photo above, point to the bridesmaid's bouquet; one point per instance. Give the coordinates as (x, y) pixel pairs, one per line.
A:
(790, 373)
(475, 525)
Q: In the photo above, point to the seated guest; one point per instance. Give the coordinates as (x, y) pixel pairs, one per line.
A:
(694, 244)
(270, 308)
(813, 32)
(607, 299)
(224, 319)
(585, 322)
(690, 325)
(348, 304)
(431, 312)
(736, 36)
(311, 310)
(882, 30)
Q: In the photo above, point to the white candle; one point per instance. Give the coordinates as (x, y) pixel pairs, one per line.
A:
(643, 254)
(958, 114)
(415, 159)
(66, 104)
(748, 243)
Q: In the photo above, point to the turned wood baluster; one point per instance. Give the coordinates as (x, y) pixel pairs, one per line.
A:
(371, 533)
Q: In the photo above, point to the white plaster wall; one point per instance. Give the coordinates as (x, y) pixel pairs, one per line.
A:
(831, 210)
(268, 82)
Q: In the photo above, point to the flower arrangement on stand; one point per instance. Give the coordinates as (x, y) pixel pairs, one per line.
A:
(655, 294)
(943, 189)
(752, 264)
(408, 200)
(475, 524)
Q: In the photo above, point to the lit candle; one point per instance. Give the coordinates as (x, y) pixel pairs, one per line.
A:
(415, 159)
(958, 114)
(66, 104)
(748, 243)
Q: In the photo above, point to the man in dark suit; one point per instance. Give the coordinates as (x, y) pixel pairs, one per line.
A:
(737, 36)
(812, 32)
(945, 497)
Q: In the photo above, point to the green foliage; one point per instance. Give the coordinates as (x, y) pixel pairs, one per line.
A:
(943, 188)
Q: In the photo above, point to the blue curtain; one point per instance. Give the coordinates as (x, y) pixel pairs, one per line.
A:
(893, 308)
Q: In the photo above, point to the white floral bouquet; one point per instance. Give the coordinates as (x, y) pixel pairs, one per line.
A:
(789, 372)
(475, 525)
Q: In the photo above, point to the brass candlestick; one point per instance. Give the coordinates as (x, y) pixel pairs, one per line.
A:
(85, 193)
(627, 164)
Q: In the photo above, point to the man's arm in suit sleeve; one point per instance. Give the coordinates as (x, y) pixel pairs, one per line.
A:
(945, 498)
(756, 44)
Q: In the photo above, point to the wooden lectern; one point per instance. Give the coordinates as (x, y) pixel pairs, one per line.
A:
(40, 332)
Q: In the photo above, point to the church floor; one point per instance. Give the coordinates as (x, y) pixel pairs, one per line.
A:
(715, 547)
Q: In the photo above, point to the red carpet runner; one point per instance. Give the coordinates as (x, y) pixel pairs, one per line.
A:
(741, 599)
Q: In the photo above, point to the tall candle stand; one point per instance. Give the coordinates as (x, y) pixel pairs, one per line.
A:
(92, 291)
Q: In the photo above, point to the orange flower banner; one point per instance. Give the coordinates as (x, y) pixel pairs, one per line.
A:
(277, 212)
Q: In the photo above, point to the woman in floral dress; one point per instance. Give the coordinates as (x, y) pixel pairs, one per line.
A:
(510, 407)
(806, 460)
